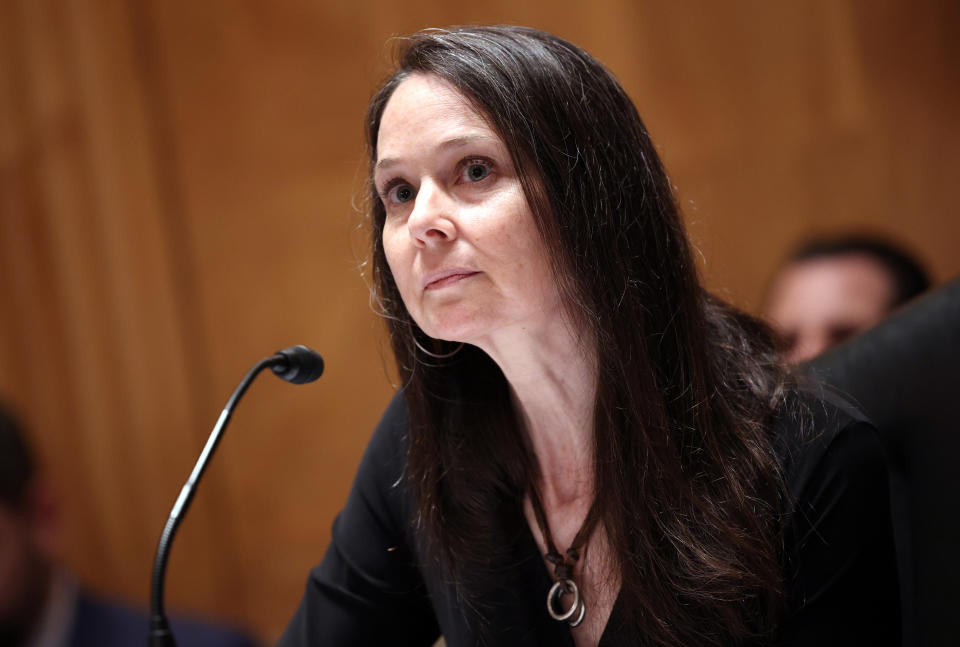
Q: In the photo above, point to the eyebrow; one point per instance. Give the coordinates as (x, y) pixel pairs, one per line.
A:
(453, 142)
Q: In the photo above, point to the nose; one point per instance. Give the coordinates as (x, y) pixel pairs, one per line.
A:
(432, 220)
(807, 346)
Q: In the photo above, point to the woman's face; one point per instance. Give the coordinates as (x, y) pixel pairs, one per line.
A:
(459, 236)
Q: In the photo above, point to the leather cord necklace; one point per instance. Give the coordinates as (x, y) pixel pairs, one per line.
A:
(564, 564)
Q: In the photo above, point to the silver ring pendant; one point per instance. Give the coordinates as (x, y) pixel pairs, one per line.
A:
(583, 612)
(556, 593)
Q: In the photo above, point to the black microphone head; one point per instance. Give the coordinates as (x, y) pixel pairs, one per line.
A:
(299, 365)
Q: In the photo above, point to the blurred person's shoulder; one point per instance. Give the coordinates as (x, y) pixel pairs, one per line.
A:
(102, 622)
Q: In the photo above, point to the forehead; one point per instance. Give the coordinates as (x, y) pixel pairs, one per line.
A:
(850, 272)
(848, 284)
(425, 107)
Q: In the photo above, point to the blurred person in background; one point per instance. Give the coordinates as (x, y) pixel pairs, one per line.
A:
(41, 604)
(830, 289)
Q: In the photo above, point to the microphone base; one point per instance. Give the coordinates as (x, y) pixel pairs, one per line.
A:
(160, 634)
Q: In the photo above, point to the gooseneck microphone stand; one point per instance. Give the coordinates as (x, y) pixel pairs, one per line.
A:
(297, 364)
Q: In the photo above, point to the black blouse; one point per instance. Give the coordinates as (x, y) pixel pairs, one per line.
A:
(371, 588)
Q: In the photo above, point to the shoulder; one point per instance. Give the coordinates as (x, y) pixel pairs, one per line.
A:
(197, 633)
(821, 436)
(388, 446)
(105, 623)
(375, 531)
(98, 621)
(379, 482)
(840, 561)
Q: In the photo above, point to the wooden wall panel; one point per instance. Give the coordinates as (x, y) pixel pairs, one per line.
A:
(176, 201)
(89, 288)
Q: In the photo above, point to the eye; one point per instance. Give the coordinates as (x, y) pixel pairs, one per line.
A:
(788, 341)
(840, 333)
(400, 193)
(476, 170)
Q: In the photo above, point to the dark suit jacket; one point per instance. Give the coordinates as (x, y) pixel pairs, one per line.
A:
(99, 623)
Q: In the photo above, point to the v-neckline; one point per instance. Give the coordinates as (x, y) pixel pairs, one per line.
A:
(541, 579)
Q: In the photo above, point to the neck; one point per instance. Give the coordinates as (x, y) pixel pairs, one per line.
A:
(552, 374)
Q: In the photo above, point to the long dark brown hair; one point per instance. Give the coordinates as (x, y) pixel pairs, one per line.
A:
(687, 483)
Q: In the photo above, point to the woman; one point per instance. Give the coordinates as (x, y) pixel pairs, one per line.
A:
(588, 449)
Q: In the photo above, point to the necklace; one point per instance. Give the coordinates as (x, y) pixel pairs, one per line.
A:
(564, 584)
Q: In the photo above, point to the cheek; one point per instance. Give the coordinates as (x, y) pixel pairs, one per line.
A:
(512, 234)
(399, 260)
(392, 251)
(528, 247)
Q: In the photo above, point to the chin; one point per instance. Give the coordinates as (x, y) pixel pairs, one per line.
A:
(455, 327)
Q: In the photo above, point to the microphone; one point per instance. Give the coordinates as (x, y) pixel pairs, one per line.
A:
(301, 365)
(298, 365)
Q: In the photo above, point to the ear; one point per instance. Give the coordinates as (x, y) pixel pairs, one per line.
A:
(42, 511)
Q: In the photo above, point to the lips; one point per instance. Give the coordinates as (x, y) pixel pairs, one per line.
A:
(444, 278)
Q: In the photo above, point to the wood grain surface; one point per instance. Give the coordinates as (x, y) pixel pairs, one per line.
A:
(177, 191)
